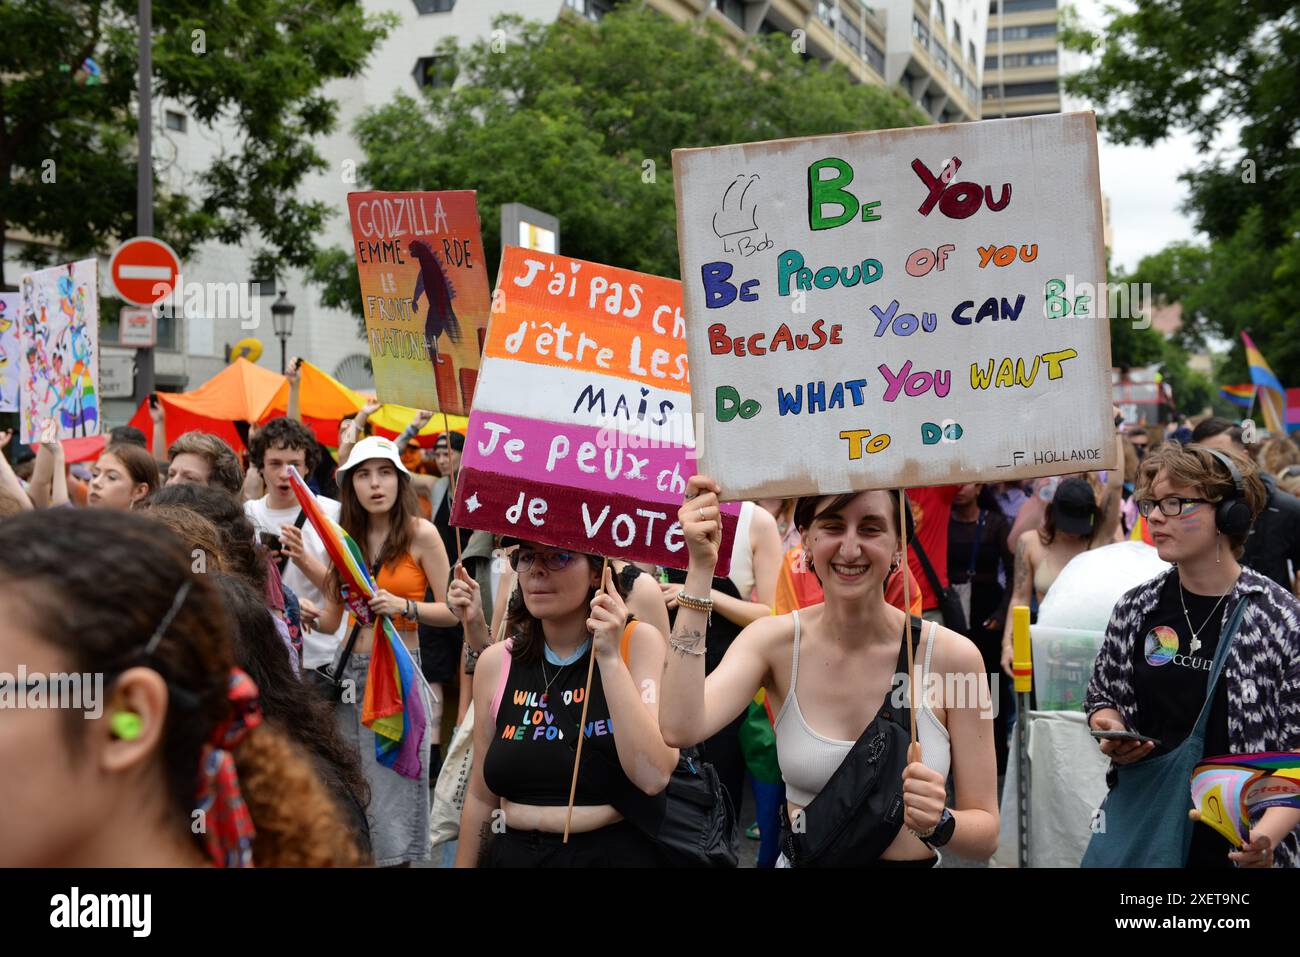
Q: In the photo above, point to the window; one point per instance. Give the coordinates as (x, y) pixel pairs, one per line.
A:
(826, 12)
(175, 121)
(956, 38)
(938, 53)
(920, 31)
(1023, 33)
(434, 71)
(733, 10)
(1021, 89)
(1012, 60)
(850, 33)
(434, 6)
(970, 50)
(1020, 6)
(591, 9)
(874, 56)
(938, 7)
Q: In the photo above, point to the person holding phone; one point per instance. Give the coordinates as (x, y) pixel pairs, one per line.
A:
(1158, 672)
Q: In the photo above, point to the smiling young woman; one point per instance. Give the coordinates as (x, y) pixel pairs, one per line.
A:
(851, 652)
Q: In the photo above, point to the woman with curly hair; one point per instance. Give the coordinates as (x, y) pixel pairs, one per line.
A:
(177, 737)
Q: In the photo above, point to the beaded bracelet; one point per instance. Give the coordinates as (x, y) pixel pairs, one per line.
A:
(693, 603)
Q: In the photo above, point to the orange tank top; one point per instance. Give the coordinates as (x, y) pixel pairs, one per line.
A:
(405, 579)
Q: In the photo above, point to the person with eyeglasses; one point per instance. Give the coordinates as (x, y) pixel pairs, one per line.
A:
(528, 703)
(1162, 673)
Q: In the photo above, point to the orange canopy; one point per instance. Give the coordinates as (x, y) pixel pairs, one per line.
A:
(320, 396)
(239, 392)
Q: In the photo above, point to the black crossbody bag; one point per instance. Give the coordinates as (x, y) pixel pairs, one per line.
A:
(692, 820)
(954, 616)
(859, 812)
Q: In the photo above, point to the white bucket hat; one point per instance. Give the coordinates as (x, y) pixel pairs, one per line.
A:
(374, 447)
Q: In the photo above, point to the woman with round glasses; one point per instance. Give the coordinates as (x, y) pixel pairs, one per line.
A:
(528, 703)
(1159, 673)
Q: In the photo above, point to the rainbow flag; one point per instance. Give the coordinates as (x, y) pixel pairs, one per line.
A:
(1272, 396)
(1242, 395)
(392, 708)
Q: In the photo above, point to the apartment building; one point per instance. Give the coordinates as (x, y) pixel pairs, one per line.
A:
(1023, 59)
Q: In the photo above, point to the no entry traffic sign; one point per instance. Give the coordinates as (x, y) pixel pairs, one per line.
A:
(144, 270)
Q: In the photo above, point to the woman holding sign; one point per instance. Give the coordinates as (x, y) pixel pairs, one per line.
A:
(529, 700)
(406, 556)
(859, 795)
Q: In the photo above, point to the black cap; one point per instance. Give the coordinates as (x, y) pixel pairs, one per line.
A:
(1074, 507)
(457, 441)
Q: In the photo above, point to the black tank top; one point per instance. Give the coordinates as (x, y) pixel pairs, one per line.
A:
(530, 760)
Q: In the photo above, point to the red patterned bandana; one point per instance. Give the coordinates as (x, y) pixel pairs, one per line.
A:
(227, 826)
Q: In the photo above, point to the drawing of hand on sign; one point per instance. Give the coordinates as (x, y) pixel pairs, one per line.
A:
(737, 221)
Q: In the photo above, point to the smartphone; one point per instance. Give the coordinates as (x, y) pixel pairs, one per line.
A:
(297, 364)
(153, 400)
(1123, 736)
(270, 540)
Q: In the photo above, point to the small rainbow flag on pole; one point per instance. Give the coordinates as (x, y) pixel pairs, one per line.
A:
(392, 708)
(1272, 396)
(1242, 395)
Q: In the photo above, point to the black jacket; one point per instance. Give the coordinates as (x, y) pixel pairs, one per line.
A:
(1275, 538)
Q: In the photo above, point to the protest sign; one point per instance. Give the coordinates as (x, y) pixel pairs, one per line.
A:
(58, 332)
(9, 302)
(904, 308)
(581, 431)
(424, 292)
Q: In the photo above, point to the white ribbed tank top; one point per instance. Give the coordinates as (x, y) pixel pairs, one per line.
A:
(808, 759)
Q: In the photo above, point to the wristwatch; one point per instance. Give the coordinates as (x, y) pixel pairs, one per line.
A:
(942, 832)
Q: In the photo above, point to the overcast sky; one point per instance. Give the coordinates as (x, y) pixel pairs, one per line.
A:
(1142, 183)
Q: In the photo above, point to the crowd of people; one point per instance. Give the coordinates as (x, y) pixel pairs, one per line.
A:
(188, 576)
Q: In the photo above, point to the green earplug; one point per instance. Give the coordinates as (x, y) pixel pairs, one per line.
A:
(126, 725)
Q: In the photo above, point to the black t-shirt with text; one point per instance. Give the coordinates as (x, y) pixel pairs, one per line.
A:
(1170, 682)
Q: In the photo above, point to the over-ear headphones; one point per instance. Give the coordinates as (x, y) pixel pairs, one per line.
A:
(1232, 515)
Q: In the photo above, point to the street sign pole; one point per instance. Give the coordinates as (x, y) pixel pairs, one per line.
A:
(144, 372)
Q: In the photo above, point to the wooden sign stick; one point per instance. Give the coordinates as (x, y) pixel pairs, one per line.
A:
(455, 532)
(907, 610)
(586, 697)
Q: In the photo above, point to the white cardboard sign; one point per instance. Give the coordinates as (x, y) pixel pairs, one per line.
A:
(897, 309)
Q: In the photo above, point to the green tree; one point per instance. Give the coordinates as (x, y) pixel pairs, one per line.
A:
(1207, 66)
(68, 119)
(581, 119)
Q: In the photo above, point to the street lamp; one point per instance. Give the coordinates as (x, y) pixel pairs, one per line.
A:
(282, 323)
